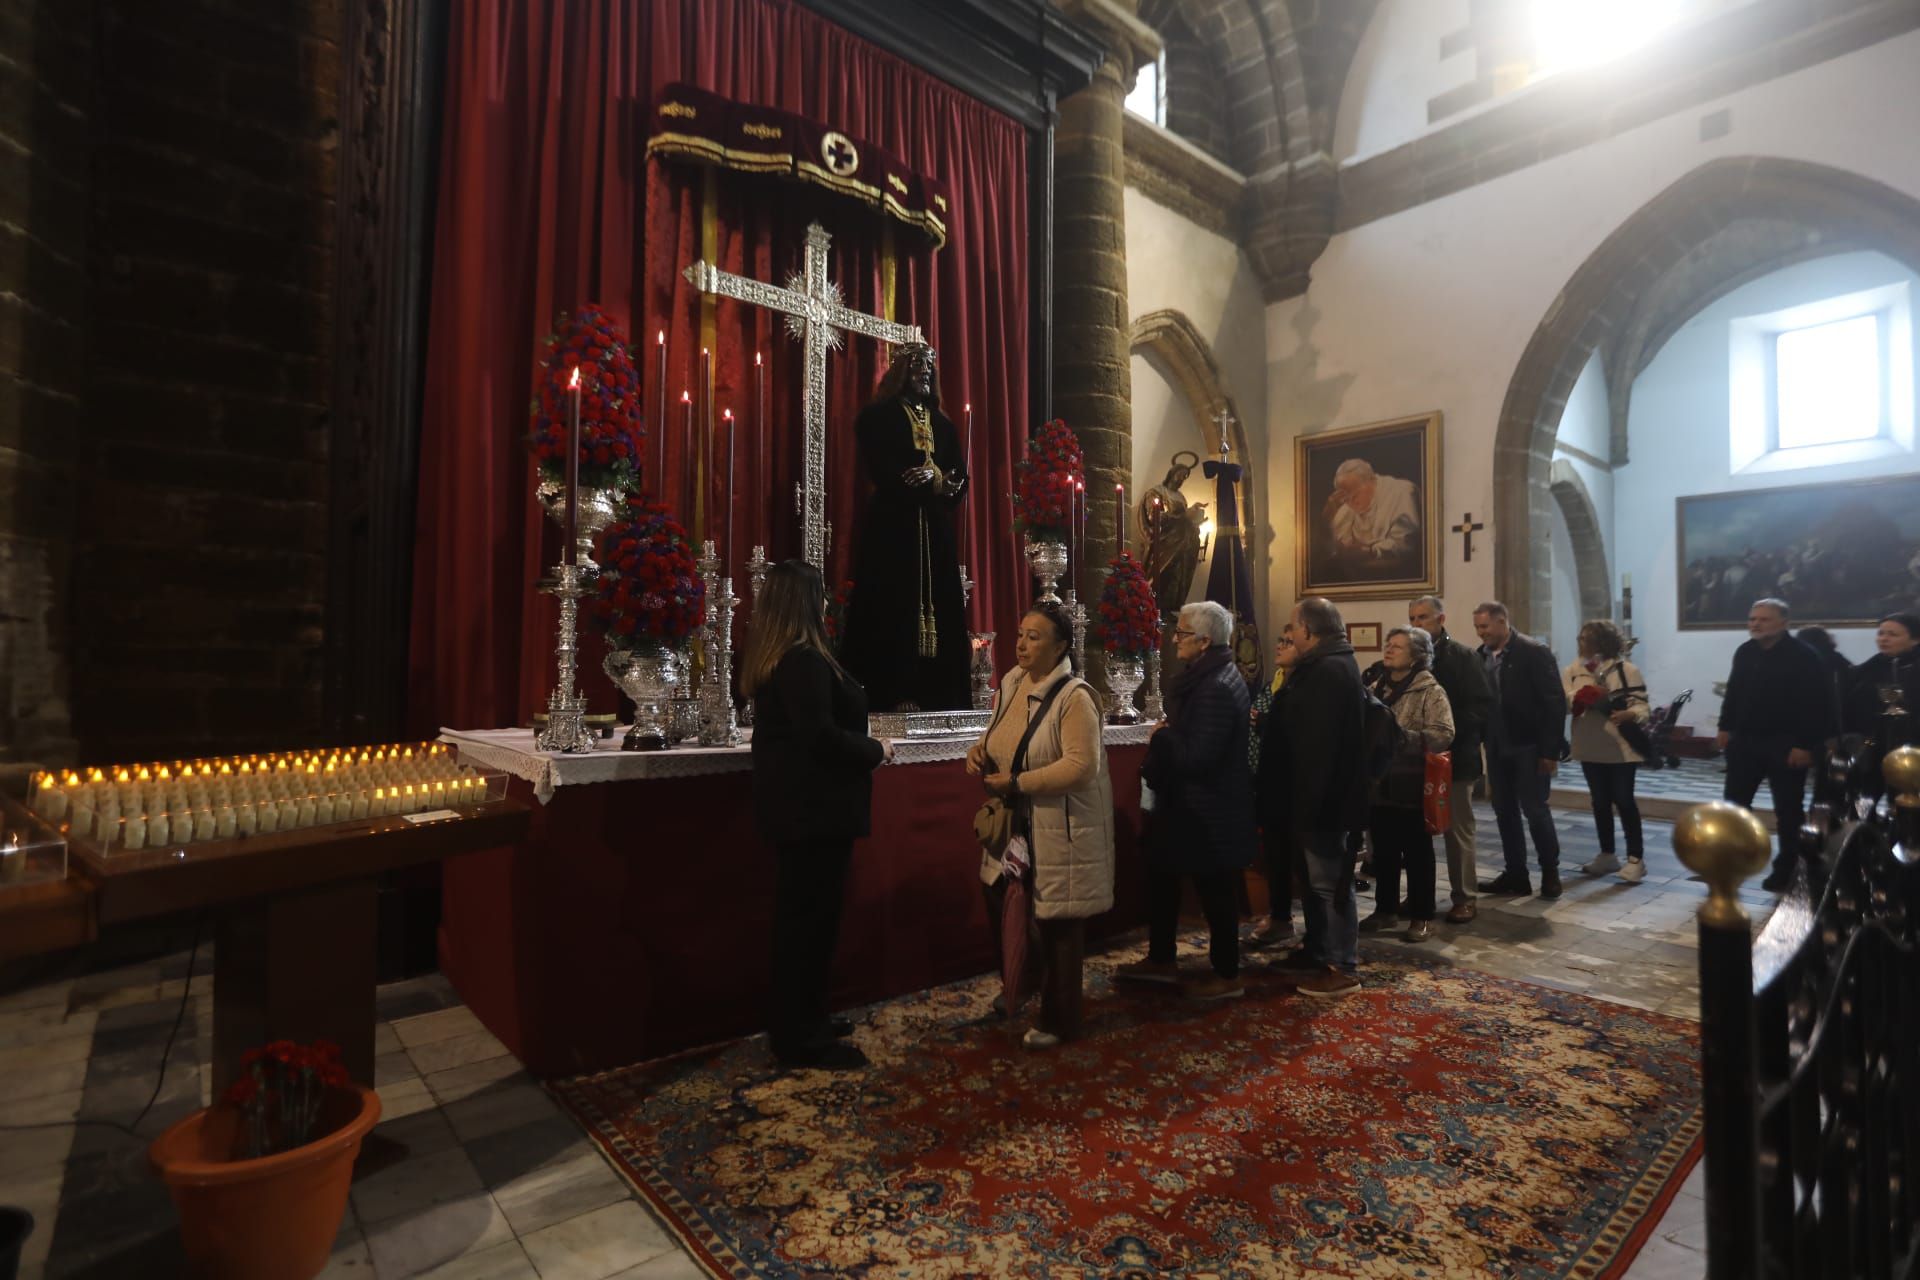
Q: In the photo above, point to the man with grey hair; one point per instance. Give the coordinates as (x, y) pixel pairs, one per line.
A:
(1375, 519)
(1202, 824)
(1464, 681)
(1313, 787)
(1526, 740)
(1774, 721)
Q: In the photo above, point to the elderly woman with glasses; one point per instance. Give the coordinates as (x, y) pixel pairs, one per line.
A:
(1202, 826)
(1395, 822)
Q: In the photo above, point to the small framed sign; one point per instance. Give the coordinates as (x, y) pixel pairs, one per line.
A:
(1364, 636)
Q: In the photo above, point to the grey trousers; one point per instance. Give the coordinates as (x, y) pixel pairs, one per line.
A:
(1463, 872)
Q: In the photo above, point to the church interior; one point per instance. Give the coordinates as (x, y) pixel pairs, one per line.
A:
(602, 472)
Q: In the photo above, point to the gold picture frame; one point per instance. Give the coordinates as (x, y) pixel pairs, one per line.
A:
(1370, 554)
(1364, 637)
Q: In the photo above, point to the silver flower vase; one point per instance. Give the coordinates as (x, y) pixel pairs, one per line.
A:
(1124, 676)
(650, 678)
(594, 510)
(1049, 561)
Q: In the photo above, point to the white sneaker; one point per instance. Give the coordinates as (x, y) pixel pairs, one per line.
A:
(1038, 1039)
(1605, 864)
(1635, 871)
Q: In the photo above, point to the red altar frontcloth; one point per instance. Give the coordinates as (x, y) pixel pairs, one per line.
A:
(636, 919)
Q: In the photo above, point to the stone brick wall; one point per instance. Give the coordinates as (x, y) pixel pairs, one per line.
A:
(192, 442)
(45, 120)
(1196, 89)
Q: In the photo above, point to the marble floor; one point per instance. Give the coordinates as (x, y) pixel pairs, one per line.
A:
(476, 1174)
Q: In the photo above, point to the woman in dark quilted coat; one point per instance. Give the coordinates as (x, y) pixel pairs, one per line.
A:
(1202, 821)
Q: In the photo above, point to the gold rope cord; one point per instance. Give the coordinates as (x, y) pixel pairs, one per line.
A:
(922, 420)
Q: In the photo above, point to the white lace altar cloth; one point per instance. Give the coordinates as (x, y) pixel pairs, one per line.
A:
(512, 751)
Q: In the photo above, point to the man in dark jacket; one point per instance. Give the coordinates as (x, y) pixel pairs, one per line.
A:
(1464, 680)
(1313, 784)
(1774, 721)
(1202, 820)
(1526, 738)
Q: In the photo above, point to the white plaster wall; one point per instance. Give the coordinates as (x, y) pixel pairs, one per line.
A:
(1431, 308)
(1174, 264)
(1396, 69)
(1677, 427)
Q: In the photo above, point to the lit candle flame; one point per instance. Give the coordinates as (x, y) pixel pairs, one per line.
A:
(573, 383)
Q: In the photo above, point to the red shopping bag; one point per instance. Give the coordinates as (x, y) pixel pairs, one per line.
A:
(1436, 796)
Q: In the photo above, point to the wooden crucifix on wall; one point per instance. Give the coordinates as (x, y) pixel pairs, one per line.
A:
(1466, 529)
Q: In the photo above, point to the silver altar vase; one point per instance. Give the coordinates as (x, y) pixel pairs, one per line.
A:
(1049, 561)
(718, 726)
(1124, 676)
(650, 678)
(594, 510)
(565, 729)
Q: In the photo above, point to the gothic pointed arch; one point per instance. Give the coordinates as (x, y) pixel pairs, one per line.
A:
(1169, 340)
(1592, 580)
(1601, 299)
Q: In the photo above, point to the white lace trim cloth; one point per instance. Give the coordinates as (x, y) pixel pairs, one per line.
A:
(512, 751)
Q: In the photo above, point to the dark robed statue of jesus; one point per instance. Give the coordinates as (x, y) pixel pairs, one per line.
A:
(906, 623)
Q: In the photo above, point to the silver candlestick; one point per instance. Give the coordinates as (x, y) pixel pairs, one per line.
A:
(718, 728)
(565, 730)
(1152, 708)
(757, 572)
(966, 588)
(1078, 612)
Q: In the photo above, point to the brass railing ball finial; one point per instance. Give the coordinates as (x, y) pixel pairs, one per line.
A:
(1901, 769)
(1724, 845)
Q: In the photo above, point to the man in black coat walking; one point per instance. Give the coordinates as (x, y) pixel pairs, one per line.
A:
(1464, 680)
(1774, 721)
(1313, 785)
(1526, 738)
(1202, 820)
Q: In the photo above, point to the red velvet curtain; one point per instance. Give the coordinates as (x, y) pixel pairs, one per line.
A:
(547, 201)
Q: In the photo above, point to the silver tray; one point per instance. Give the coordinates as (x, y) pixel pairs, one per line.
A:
(928, 724)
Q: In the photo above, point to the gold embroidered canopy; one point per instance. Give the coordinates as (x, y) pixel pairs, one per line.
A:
(692, 124)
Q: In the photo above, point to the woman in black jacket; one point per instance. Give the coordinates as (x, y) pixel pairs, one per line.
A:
(813, 769)
(1202, 823)
(1897, 664)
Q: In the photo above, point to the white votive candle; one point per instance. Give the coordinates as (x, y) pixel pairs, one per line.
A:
(290, 815)
(361, 800)
(159, 828)
(133, 833)
(246, 819)
(267, 816)
(203, 824)
(323, 807)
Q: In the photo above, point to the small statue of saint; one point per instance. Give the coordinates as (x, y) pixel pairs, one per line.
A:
(906, 637)
(1172, 525)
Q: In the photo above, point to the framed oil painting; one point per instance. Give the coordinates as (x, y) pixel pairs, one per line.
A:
(1842, 554)
(1367, 510)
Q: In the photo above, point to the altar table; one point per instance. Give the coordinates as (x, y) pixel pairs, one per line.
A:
(635, 918)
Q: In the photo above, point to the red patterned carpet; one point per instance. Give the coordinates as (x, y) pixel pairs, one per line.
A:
(1442, 1123)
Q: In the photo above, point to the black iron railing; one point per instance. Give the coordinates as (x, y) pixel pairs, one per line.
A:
(1810, 1034)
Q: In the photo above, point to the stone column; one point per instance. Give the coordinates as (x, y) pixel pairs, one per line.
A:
(1093, 384)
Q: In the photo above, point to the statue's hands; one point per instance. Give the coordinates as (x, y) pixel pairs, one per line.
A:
(956, 486)
(915, 477)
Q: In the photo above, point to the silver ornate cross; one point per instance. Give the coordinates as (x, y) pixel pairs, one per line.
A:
(816, 316)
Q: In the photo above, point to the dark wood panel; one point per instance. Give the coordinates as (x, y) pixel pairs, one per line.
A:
(38, 918)
(1014, 55)
(135, 886)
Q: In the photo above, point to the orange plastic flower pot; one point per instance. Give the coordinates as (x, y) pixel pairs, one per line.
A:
(274, 1218)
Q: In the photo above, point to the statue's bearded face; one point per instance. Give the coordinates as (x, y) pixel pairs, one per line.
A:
(920, 372)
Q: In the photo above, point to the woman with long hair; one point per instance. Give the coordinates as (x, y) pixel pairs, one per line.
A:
(813, 769)
(1044, 753)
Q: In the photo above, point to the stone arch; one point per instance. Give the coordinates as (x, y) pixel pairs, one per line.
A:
(1593, 580)
(1171, 341)
(1599, 301)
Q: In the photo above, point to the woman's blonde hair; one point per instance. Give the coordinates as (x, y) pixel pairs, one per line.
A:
(790, 614)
